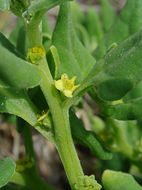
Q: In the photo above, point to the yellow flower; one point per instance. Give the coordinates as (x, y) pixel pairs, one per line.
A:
(35, 54)
(66, 86)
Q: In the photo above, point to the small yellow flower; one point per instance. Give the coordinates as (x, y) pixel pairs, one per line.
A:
(66, 86)
(35, 54)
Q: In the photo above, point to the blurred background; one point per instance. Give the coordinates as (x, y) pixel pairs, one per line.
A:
(49, 164)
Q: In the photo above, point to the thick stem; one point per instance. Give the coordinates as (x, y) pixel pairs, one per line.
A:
(33, 32)
(62, 131)
(63, 138)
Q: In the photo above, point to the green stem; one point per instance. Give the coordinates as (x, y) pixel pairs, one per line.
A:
(33, 31)
(62, 131)
(27, 136)
(63, 138)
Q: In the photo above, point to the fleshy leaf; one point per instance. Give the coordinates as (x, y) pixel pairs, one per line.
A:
(75, 59)
(117, 181)
(16, 102)
(119, 71)
(116, 74)
(95, 29)
(14, 71)
(107, 14)
(53, 61)
(7, 169)
(77, 13)
(127, 23)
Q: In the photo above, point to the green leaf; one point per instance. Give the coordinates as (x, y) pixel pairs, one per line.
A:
(107, 14)
(4, 5)
(127, 23)
(53, 62)
(88, 138)
(46, 28)
(78, 16)
(19, 38)
(117, 181)
(75, 59)
(7, 169)
(119, 71)
(46, 33)
(16, 102)
(14, 71)
(83, 36)
(126, 111)
(130, 108)
(93, 25)
(135, 93)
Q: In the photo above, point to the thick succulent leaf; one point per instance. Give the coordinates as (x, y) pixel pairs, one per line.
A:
(93, 25)
(75, 59)
(16, 102)
(46, 28)
(7, 169)
(14, 71)
(119, 71)
(117, 181)
(88, 138)
(4, 5)
(107, 14)
(46, 33)
(78, 16)
(128, 23)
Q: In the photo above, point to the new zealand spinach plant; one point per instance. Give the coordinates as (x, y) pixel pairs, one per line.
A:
(44, 74)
